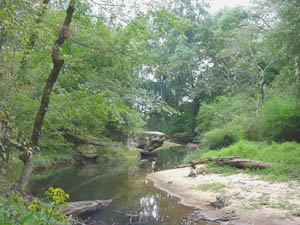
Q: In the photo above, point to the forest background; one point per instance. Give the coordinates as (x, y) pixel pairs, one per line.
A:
(214, 79)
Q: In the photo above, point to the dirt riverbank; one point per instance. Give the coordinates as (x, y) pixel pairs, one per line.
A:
(254, 201)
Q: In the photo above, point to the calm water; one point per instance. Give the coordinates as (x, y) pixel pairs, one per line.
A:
(125, 184)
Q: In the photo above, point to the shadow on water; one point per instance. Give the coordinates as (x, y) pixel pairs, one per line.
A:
(125, 184)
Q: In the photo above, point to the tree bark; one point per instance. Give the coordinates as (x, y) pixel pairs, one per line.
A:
(297, 74)
(57, 65)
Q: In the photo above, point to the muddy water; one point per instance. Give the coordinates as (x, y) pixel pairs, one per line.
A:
(125, 184)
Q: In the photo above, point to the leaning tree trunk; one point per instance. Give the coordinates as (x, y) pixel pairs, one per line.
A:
(58, 62)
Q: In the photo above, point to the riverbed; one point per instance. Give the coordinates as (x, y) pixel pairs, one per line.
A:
(126, 184)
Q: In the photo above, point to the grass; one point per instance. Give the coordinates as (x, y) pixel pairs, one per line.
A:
(227, 170)
(213, 187)
(45, 158)
(296, 212)
(264, 199)
(286, 155)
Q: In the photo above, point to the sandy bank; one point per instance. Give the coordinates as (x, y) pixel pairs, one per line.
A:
(255, 201)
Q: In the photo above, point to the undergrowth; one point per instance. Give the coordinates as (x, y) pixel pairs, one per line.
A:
(286, 155)
(16, 210)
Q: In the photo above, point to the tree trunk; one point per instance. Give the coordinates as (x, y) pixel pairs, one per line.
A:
(57, 64)
(297, 74)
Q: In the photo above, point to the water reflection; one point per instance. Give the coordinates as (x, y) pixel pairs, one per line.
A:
(149, 206)
(125, 183)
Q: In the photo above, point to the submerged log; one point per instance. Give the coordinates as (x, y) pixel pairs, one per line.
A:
(235, 161)
(82, 208)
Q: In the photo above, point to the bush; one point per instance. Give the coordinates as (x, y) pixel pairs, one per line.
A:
(278, 120)
(220, 137)
(222, 111)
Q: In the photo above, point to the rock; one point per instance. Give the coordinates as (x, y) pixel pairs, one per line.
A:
(91, 150)
(84, 207)
(96, 154)
(146, 140)
(221, 202)
(192, 173)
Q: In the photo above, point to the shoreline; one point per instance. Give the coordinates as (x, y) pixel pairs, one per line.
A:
(255, 201)
(72, 161)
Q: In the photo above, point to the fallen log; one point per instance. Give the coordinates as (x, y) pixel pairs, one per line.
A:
(230, 215)
(77, 140)
(235, 161)
(82, 208)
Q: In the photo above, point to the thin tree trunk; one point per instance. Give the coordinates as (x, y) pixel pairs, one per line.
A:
(297, 68)
(297, 74)
(57, 65)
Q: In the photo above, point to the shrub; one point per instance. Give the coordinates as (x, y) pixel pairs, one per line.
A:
(220, 137)
(14, 210)
(222, 111)
(278, 120)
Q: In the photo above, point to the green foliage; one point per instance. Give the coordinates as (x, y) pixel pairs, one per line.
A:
(229, 119)
(286, 154)
(44, 158)
(15, 210)
(181, 125)
(92, 112)
(280, 118)
(220, 137)
(230, 19)
(222, 111)
(163, 67)
(277, 119)
(226, 170)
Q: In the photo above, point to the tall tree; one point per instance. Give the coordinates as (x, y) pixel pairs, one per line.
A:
(58, 62)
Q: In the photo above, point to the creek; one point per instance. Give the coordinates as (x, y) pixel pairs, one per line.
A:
(126, 184)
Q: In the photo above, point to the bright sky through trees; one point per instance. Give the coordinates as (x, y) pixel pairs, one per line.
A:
(215, 5)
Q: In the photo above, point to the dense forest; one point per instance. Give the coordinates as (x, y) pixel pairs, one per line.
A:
(104, 70)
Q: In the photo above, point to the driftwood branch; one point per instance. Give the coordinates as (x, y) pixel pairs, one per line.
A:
(235, 161)
(84, 207)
